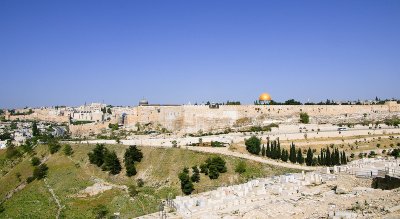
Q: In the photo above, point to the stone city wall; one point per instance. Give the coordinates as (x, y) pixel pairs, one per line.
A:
(192, 118)
(42, 115)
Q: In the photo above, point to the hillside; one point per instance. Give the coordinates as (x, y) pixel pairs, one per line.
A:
(68, 176)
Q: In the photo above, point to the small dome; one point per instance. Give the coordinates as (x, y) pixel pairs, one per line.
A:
(143, 102)
(265, 97)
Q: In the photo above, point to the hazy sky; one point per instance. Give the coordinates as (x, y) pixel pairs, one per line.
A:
(72, 52)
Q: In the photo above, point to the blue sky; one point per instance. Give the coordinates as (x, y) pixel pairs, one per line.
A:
(72, 52)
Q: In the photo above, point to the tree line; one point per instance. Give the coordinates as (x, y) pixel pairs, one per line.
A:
(109, 161)
(212, 168)
(274, 151)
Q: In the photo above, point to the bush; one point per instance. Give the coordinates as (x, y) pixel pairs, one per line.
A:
(304, 118)
(240, 167)
(140, 183)
(186, 184)
(30, 179)
(213, 167)
(253, 145)
(130, 170)
(100, 211)
(40, 171)
(196, 174)
(68, 150)
(54, 147)
(35, 161)
(2, 209)
(133, 191)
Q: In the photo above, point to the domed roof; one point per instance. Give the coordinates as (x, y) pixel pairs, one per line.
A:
(265, 97)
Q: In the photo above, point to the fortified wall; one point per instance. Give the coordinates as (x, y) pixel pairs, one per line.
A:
(42, 115)
(192, 118)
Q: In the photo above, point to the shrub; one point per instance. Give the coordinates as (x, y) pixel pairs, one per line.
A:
(100, 211)
(30, 179)
(133, 191)
(40, 171)
(54, 147)
(35, 161)
(304, 118)
(213, 167)
(68, 150)
(140, 183)
(240, 167)
(196, 174)
(186, 184)
(253, 145)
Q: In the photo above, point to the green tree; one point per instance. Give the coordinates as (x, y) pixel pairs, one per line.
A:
(328, 161)
(35, 161)
(186, 184)
(132, 155)
(40, 171)
(300, 158)
(292, 155)
(304, 118)
(268, 151)
(111, 163)
(97, 155)
(35, 130)
(196, 174)
(204, 168)
(68, 150)
(253, 145)
(240, 167)
(130, 170)
(213, 172)
(54, 146)
(309, 158)
(263, 151)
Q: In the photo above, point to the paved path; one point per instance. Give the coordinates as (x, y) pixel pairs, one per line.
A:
(225, 151)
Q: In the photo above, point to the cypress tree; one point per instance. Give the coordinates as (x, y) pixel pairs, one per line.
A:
(292, 156)
(319, 160)
(278, 151)
(309, 159)
(268, 152)
(300, 158)
(337, 157)
(263, 151)
(328, 157)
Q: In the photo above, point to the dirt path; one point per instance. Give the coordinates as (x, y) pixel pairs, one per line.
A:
(225, 151)
(60, 207)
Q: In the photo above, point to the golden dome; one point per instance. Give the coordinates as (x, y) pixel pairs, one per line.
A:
(265, 97)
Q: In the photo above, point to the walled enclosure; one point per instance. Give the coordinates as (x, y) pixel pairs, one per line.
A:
(192, 118)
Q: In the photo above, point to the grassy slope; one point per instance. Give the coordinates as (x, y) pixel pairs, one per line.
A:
(159, 169)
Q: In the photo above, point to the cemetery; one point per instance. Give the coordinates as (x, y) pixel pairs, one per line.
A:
(333, 192)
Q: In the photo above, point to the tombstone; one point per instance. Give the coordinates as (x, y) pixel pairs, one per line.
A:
(335, 169)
